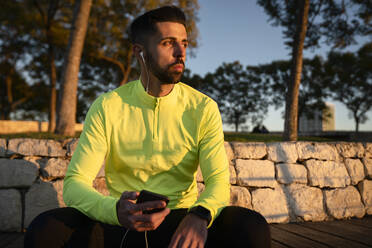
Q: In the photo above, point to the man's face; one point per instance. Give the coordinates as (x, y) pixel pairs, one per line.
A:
(166, 52)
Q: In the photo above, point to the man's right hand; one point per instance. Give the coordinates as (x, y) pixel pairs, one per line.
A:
(130, 214)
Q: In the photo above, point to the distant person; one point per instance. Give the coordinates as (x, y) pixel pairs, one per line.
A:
(152, 134)
(260, 129)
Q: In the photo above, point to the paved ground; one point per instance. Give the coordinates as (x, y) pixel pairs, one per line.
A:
(354, 233)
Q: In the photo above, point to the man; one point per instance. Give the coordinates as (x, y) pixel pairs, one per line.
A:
(152, 134)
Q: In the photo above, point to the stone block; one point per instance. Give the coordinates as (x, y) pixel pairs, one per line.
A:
(35, 160)
(368, 150)
(101, 172)
(229, 153)
(355, 169)
(367, 166)
(71, 145)
(365, 189)
(327, 173)
(240, 196)
(2, 147)
(272, 204)
(249, 150)
(282, 152)
(344, 203)
(201, 188)
(321, 151)
(41, 197)
(10, 210)
(350, 150)
(232, 175)
(305, 203)
(100, 185)
(17, 173)
(291, 173)
(199, 175)
(256, 173)
(36, 147)
(54, 168)
(58, 187)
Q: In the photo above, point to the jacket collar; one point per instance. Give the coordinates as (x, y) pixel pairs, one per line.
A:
(150, 100)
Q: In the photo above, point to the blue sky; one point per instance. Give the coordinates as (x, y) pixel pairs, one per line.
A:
(239, 30)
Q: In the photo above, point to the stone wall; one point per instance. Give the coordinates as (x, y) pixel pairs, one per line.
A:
(285, 181)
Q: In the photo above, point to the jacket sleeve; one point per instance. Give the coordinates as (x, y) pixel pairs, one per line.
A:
(86, 161)
(213, 162)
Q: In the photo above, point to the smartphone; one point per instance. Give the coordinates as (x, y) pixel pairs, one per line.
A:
(145, 196)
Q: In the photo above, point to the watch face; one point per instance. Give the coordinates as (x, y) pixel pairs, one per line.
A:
(202, 212)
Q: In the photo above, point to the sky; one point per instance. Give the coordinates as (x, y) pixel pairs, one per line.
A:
(239, 30)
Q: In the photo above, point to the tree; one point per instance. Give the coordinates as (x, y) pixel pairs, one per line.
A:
(305, 22)
(312, 91)
(13, 89)
(350, 81)
(240, 95)
(67, 112)
(49, 27)
(107, 49)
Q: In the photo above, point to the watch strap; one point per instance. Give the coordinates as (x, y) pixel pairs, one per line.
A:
(202, 212)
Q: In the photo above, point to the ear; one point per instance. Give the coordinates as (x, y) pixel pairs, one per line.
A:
(137, 49)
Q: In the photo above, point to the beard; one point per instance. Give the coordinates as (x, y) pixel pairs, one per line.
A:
(165, 76)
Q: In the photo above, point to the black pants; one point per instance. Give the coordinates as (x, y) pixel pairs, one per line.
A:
(68, 227)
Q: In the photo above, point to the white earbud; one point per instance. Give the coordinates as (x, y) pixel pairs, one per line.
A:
(143, 59)
(147, 74)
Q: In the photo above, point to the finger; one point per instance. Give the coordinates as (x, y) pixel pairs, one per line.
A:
(141, 218)
(159, 216)
(174, 240)
(181, 243)
(149, 226)
(129, 195)
(149, 205)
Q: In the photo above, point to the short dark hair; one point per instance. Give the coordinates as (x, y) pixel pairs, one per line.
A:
(144, 26)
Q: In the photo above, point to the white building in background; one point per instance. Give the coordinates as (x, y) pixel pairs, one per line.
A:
(322, 121)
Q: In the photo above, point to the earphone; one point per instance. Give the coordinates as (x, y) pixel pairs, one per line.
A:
(143, 59)
(147, 73)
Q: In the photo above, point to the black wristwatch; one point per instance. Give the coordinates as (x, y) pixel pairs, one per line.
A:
(202, 212)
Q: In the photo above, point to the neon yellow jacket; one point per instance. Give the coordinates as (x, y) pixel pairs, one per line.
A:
(152, 143)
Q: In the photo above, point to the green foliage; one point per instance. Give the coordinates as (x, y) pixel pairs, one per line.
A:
(276, 76)
(34, 31)
(350, 81)
(338, 22)
(240, 95)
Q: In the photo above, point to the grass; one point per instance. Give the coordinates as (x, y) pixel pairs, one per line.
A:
(39, 135)
(229, 136)
(256, 137)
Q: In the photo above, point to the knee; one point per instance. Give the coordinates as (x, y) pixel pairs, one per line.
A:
(246, 219)
(247, 222)
(41, 229)
(39, 225)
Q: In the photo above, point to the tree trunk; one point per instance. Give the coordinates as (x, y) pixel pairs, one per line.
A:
(67, 110)
(357, 121)
(53, 90)
(9, 94)
(291, 106)
(48, 18)
(236, 122)
(124, 71)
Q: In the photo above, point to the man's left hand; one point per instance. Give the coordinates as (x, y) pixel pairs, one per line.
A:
(192, 232)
